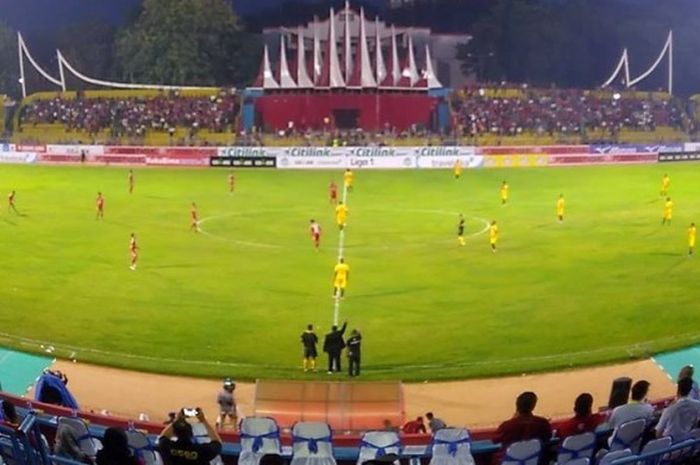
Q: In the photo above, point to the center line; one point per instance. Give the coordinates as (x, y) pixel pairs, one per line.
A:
(341, 250)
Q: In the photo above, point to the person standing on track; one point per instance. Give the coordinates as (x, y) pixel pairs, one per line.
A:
(333, 345)
(134, 252)
(354, 344)
(315, 230)
(100, 203)
(130, 177)
(309, 341)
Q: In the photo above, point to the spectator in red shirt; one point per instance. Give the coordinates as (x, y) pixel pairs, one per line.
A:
(583, 421)
(414, 427)
(524, 426)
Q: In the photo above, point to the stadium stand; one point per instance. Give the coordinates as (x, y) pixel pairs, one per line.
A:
(503, 114)
(481, 115)
(30, 442)
(135, 117)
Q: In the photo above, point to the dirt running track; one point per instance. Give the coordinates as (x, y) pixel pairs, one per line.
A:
(470, 403)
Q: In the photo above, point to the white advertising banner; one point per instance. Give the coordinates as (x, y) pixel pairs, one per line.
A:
(691, 147)
(88, 150)
(7, 147)
(18, 157)
(448, 162)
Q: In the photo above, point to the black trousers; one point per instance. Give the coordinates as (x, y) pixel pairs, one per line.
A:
(334, 361)
(354, 366)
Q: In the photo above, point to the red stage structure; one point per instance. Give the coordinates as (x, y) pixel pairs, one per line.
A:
(355, 76)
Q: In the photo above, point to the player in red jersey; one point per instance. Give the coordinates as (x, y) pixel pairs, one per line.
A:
(333, 192)
(231, 183)
(315, 230)
(11, 202)
(131, 181)
(100, 203)
(134, 252)
(195, 222)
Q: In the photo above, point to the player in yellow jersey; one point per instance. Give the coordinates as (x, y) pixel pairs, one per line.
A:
(561, 205)
(348, 178)
(668, 212)
(460, 231)
(692, 235)
(341, 273)
(341, 215)
(504, 193)
(493, 235)
(458, 168)
(665, 184)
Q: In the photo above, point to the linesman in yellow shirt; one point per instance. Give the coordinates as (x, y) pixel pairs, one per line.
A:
(493, 235)
(341, 274)
(348, 178)
(341, 215)
(561, 205)
(458, 168)
(668, 212)
(692, 235)
(665, 184)
(504, 193)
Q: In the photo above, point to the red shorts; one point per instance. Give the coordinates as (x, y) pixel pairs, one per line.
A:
(316, 237)
(334, 195)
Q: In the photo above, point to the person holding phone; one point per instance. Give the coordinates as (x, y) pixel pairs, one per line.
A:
(177, 445)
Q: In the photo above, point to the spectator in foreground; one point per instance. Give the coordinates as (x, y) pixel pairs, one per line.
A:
(682, 416)
(9, 414)
(414, 426)
(177, 446)
(435, 424)
(637, 407)
(524, 426)
(271, 459)
(687, 372)
(115, 449)
(583, 421)
(67, 445)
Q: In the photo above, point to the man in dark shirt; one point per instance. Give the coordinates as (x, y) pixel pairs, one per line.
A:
(309, 341)
(177, 446)
(354, 346)
(523, 426)
(333, 345)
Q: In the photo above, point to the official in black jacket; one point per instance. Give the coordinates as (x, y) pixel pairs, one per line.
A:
(333, 345)
(354, 344)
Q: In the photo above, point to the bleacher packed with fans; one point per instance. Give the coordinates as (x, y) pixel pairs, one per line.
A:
(508, 110)
(487, 113)
(630, 430)
(135, 116)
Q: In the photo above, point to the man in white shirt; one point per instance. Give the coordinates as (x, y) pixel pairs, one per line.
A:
(681, 416)
(637, 407)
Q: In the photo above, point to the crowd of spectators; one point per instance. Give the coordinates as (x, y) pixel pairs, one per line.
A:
(135, 116)
(479, 111)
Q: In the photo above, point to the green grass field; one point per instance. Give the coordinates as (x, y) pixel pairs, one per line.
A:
(608, 284)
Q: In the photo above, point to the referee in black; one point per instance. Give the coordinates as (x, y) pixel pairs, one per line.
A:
(309, 341)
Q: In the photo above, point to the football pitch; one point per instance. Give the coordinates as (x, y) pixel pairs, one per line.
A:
(609, 283)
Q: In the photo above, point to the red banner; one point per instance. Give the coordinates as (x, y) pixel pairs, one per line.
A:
(30, 148)
(170, 152)
(97, 159)
(532, 149)
(605, 159)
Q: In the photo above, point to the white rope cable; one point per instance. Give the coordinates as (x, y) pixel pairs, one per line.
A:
(666, 49)
(23, 49)
(122, 85)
